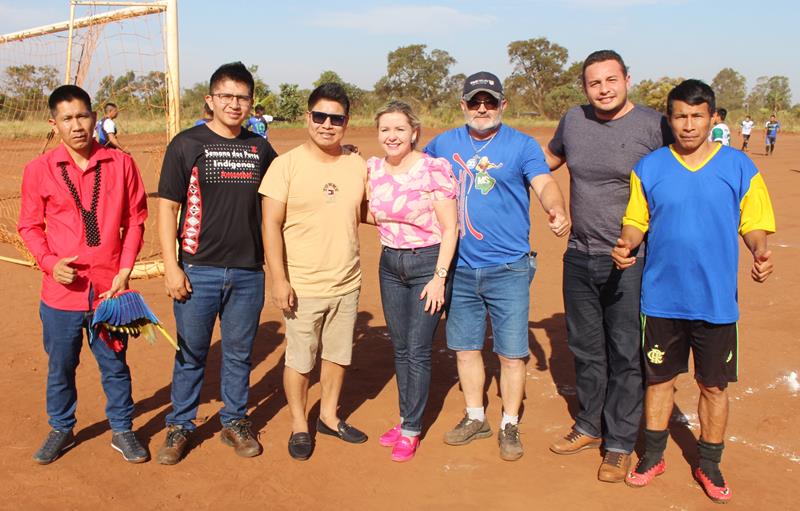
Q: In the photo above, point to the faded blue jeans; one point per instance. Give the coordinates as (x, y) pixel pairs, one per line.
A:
(62, 332)
(236, 296)
(403, 275)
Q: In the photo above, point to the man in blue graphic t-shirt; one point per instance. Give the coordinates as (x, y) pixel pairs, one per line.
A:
(495, 165)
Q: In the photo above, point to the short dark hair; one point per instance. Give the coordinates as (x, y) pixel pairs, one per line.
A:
(260, 109)
(109, 106)
(723, 113)
(694, 92)
(235, 71)
(602, 56)
(68, 93)
(331, 91)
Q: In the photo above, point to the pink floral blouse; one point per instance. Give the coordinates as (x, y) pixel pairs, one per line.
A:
(402, 204)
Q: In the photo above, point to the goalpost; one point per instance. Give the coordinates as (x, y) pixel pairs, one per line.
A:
(120, 52)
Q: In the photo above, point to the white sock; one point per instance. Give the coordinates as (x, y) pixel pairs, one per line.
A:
(476, 414)
(509, 419)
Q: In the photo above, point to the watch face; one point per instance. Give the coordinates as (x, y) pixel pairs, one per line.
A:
(441, 272)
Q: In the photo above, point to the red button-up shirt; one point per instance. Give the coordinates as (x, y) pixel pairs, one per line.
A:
(51, 226)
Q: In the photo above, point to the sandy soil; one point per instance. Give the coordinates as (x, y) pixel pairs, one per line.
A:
(762, 459)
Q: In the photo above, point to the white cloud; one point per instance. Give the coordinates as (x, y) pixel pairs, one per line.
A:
(404, 20)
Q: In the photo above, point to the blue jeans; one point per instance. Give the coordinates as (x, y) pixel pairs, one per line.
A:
(502, 291)
(604, 335)
(237, 296)
(63, 338)
(403, 275)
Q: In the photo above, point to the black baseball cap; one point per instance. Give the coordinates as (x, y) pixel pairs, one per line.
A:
(483, 82)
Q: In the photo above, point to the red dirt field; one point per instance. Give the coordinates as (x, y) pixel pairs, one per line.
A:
(761, 462)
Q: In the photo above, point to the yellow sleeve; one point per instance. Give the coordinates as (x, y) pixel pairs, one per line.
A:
(637, 214)
(275, 183)
(755, 210)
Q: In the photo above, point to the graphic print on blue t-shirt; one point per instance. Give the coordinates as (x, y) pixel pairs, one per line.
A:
(258, 125)
(493, 205)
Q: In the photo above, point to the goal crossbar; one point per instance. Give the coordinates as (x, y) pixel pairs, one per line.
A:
(97, 19)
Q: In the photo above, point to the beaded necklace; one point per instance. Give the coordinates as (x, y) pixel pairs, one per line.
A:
(90, 227)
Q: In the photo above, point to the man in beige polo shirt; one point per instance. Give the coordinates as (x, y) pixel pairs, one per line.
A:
(312, 202)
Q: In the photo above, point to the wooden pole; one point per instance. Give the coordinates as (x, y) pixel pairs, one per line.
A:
(98, 19)
(68, 69)
(173, 70)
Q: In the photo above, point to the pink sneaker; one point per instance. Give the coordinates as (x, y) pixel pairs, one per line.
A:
(405, 448)
(391, 437)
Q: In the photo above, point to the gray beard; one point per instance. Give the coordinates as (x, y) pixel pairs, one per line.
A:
(485, 130)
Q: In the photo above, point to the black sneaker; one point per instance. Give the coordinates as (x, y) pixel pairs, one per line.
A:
(126, 443)
(56, 443)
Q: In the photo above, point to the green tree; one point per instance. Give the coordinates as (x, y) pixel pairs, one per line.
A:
(414, 73)
(538, 67)
(570, 93)
(729, 89)
(261, 89)
(290, 102)
(26, 88)
(355, 93)
(654, 93)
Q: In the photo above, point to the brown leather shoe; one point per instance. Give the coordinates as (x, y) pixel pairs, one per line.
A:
(174, 446)
(614, 467)
(575, 441)
(239, 436)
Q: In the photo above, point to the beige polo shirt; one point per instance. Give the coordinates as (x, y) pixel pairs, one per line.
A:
(320, 234)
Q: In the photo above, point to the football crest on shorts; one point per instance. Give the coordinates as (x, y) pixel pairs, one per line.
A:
(655, 355)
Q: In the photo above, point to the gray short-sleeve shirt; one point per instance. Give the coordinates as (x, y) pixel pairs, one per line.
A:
(600, 156)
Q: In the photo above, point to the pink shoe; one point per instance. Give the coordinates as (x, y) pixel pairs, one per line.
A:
(405, 448)
(636, 480)
(719, 494)
(391, 437)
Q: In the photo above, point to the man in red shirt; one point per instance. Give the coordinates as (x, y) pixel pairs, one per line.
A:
(82, 217)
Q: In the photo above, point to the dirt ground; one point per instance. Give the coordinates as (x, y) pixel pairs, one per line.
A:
(761, 463)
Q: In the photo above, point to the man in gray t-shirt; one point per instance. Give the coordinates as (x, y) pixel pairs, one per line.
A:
(600, 143)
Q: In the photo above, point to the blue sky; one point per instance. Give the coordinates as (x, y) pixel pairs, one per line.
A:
(293, 41)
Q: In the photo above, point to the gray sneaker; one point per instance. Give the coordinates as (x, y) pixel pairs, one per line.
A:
(510, 444)
(127, 443)
(468, 430)
(56, 443)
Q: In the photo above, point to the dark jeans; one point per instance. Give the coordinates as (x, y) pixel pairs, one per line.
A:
(63, 338)
(604, 334)
(236, 295)
(403, 275)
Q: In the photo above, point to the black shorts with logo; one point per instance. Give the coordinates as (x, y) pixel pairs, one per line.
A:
(666, 343)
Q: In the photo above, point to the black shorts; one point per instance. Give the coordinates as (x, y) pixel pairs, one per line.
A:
(666, 343)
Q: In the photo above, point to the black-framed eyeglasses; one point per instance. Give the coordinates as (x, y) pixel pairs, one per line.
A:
(489, 104)
(227, 99)
(320, 117)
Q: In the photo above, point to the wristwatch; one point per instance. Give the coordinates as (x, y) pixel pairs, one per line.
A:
(441, 272)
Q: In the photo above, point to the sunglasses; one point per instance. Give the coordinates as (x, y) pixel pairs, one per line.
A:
(320, 117)
(489, 104)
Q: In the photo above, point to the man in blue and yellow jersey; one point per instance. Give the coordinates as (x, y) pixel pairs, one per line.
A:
(692, 198)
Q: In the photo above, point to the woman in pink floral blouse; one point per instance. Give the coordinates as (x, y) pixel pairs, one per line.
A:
(412, 199)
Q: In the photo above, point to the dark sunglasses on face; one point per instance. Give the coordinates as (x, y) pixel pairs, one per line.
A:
(336, 119)
(489, 104)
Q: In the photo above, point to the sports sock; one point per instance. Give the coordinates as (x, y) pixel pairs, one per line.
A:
(409, 434)
(509, 419)
(655, 442)
(710, 456)
(476, 414)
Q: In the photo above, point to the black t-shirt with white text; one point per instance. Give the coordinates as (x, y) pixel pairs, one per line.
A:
(216, 179)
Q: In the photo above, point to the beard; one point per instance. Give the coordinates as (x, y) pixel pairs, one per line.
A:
(483, 128)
